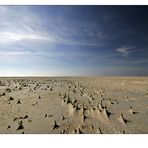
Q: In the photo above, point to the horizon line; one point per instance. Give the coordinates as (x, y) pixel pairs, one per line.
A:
(31, 76)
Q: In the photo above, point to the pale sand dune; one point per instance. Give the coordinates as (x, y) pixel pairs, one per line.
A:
(76, 105)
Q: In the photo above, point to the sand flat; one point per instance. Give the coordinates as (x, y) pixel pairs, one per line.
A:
(76, 105)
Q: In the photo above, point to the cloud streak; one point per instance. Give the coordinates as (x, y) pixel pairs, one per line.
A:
(7, 37)
(15, 28)
(125, 50)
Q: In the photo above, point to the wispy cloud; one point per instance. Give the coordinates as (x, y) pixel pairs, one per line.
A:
(7, 37)
(125, 50)
(15, 28)
(14, 53)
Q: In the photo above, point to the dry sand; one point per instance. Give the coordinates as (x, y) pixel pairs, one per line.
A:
(77, 105)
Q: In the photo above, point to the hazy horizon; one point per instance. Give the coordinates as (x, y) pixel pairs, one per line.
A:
(73, 41)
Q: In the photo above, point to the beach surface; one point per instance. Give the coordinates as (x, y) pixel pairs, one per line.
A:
(74, 105)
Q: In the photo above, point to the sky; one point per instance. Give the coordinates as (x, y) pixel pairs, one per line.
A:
(73, 40)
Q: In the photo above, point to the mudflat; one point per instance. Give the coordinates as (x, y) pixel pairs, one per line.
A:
(74, 105)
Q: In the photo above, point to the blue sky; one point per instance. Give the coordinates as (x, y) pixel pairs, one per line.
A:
(73, 40)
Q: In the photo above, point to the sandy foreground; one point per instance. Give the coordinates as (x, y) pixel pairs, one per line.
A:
(76, 105)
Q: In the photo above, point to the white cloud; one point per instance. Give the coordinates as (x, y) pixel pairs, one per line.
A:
(15, 28)
(7, 37)
(15, 53)
(124, 50)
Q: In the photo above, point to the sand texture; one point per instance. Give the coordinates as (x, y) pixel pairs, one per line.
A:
(74, 105)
